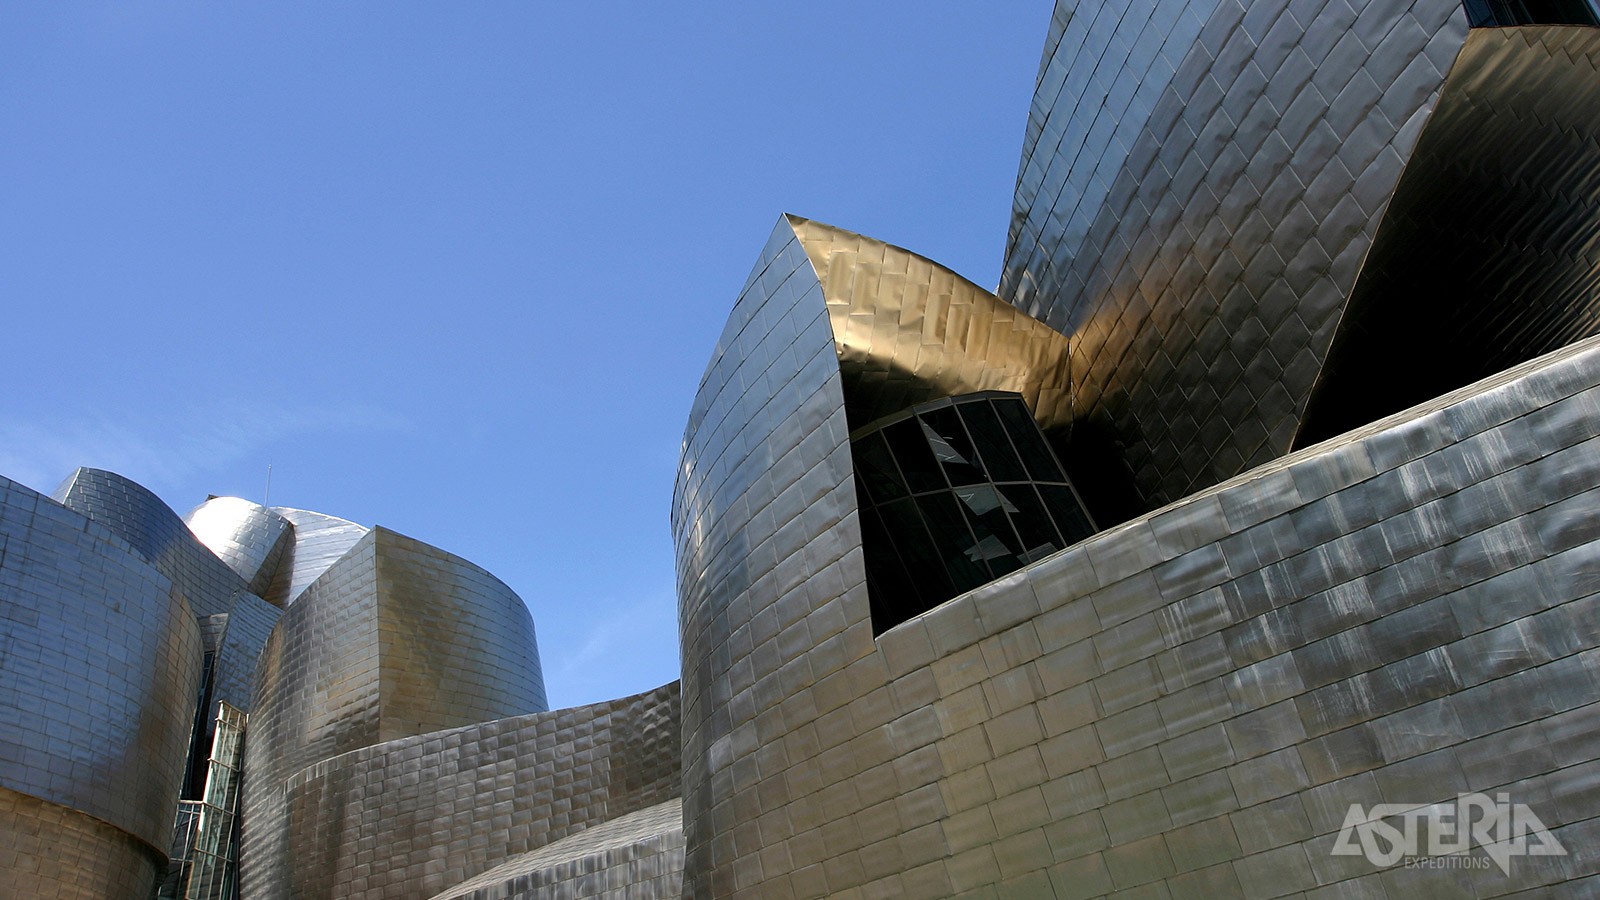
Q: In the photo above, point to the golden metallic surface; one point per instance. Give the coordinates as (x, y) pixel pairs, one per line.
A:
(48, 850)
(909, 330)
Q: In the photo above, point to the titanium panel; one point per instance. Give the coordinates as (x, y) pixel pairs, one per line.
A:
(638, 856)
(237, 620)
(1491, 246)
(1198, 248)
(247, 536)
(405, 819)
(319, 541)
(395, 639)
(97, 685)
(48, 850)
(156, 532)
(1187, 704)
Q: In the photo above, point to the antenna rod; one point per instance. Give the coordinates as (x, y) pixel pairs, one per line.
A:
(268, 497)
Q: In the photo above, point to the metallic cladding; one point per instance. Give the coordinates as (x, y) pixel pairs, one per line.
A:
(48, 850)
(1199, 263)
(1186, 704)
(319, 541)
(98, 676)
(396, 638)
(212, 589)
(1491, 245)
(767, 543)
(409, 818)
(908, 330)
(247, 536)
(638, 856)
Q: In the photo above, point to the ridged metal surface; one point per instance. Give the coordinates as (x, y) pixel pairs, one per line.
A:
(638, 856)
(408, 818)
(319, 541)
(1491, 246)
(1199, 187)
(247, 536)
(98, 674)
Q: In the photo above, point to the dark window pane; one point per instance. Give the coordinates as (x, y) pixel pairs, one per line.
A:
(953, 540)
(951, 446)
(1068, 513)
(891, 592)
(917, 550)
(1038, 533)
(875, 469)
(1029, 442)
(986, 512)
(994, 448)
(916, 460)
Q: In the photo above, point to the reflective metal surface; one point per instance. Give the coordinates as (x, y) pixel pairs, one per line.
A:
(1199, 187)
(98, 673)
(319, 541)
(1185, 705)
(247, 536)
(638, 856)
(1490, 244)
(236, 622)
(408, 818)
(397, 638)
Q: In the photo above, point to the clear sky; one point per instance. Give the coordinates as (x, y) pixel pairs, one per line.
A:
(457, 268)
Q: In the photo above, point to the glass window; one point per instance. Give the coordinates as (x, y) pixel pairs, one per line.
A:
(989, 436)
(917, 551)
(916, 460)
(986, 512)
(953, 541)
(1029, 442)
(951, 446)
(876, 471)
(1068, 513)
(1038, 533)
(891, 591)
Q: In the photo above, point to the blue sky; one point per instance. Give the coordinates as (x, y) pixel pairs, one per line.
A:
(456, 269)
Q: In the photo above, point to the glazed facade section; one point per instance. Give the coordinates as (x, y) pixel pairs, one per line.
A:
(1199, 187)
(954, 494)
(407, 818)
(97, 682)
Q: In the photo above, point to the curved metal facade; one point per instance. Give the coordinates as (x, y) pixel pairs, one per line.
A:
(247, 536)
(1199, 188)
(406, 819)
(319, 541)
(97, 686)
(1491, 246)
(395, 639)
(832, 329)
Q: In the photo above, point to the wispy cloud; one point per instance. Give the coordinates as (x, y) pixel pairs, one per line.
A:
(166, 447)
(631, 648)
